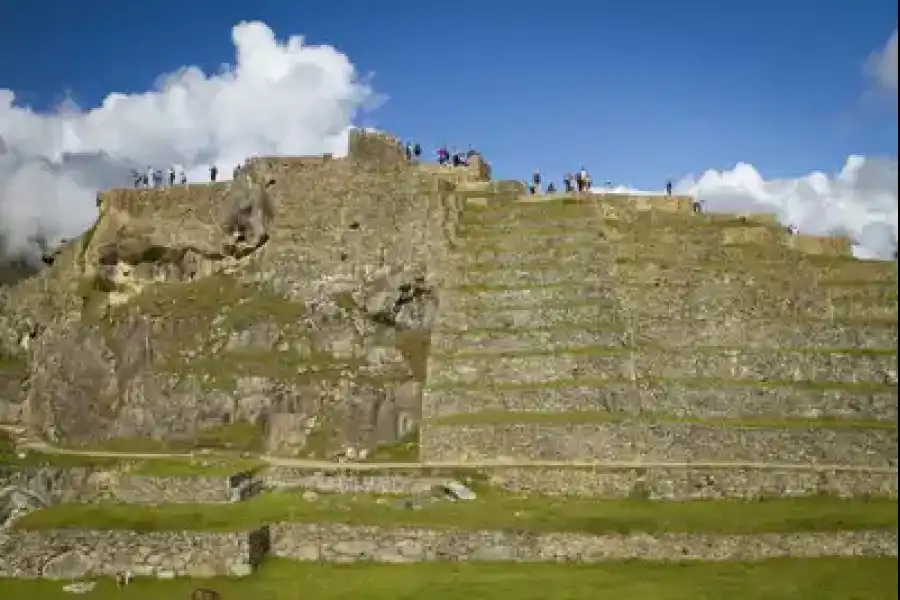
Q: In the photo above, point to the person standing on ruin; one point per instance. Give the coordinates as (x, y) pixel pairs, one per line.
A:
(567, 183)
(417, 151)
(669, 188)
(536, 181)
(183, 178)
(213, 172)
(171, 176)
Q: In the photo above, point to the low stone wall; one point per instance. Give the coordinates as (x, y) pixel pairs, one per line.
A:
(647, 363)
(341, 543)
(673, 399)
(757, 334)
(696, 483)
(659, 442)
(349, 482)
(71, 554)
(654, 482)
(76, 484)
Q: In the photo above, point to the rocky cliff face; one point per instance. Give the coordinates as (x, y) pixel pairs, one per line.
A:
(290, 309)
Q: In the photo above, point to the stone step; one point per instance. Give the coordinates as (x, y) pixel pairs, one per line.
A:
(640, 363)
(613, 481)
(485, 307)
(686, 232)
(533, 212)
(602, 270)
(531, 439)
(751, 334)
(687, 398)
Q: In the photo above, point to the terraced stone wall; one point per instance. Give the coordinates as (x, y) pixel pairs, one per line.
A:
(341, 543)
(56, 485)
(649, 482)
(76, 554)
(614, 328)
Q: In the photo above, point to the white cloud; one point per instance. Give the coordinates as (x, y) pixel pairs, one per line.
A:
(860, 201)
(882, 65)
(279, 98)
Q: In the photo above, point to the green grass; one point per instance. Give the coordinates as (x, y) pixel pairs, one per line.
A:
(212, 466)
(13, 366)
(490, 417)
(852, 578)
(405, 450)
(861, 387)
(493, 510)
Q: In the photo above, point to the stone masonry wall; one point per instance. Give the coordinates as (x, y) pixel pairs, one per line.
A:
(340, 543)
(659, 442)
(721, 400)
(656, 483)
(65, 554)
(66, 485)
(74, 554)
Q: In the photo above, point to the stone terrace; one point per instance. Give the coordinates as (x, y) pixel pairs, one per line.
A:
(611, 328)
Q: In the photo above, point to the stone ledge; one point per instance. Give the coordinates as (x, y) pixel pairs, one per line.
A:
(337, 543)
(736, 302)
(652, 482)
(671, 398)
(753, 334)
(658, 442)
(635, 362)
(74, 554)
(86, 485)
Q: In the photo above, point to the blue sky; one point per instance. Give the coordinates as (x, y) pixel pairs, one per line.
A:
(639, 91)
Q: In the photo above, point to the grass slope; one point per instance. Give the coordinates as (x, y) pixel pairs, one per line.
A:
(798, 579)
(492, 510)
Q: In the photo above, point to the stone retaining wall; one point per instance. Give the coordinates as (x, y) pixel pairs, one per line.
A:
(643, 364)
(341, 543)
(71, 554)
(660, 483)
(672, 398)
(656, 483)
(76, 554)
(659, 442)
(350, 482)
(77, 484)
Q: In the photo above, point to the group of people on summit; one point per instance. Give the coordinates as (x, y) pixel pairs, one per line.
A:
(156, 178)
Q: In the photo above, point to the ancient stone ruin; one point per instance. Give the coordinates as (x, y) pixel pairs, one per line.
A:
(377, 313)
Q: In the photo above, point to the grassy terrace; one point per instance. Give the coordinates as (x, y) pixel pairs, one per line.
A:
(489, 417)
(213, 465)
(853, 578)
(158, 467)
(493, 510)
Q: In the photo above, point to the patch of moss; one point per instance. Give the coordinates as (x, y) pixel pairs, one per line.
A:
(13, 366)
(415, 347)
(221, 370)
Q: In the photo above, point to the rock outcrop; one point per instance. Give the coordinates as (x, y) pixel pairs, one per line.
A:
(290, 309)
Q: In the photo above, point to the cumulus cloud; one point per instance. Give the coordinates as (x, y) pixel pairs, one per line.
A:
(860, 201)
(279, 98)
(882, 65)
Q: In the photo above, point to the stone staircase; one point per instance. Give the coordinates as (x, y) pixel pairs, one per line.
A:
(615, 329)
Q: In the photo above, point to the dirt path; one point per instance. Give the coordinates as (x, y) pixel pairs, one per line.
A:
(43, 447)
